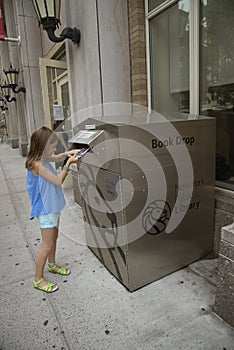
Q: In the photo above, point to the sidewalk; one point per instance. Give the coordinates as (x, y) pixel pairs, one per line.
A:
(92, 310)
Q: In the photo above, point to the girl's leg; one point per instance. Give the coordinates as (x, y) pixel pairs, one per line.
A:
(49, 236)
(52, 253)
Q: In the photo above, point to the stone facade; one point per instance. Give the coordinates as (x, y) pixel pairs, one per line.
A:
(224, 303)
(224, 214)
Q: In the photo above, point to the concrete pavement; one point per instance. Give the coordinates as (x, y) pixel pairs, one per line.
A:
(92, 310)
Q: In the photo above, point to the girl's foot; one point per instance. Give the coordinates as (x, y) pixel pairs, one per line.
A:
(63, 270)
(45, 286)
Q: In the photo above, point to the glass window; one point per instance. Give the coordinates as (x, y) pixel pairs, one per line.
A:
(65, 99)
(60, 71)
(55, 96)
(169, 50)
(60, 54)
(53, 72)
(217, 81)
(154, 3)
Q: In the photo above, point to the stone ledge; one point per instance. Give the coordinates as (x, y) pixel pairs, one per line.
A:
(228, 233)
(224, 301)
(227, 250)
(222, 219)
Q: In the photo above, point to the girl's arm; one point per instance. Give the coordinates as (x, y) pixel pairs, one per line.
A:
(57, 180)
(62, 156)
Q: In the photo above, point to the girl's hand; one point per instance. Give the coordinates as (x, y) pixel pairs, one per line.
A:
(72, 159)
(72, 152)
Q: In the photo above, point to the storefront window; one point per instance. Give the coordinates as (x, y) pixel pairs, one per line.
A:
(217, 81)
(169, 51)
(154, 3)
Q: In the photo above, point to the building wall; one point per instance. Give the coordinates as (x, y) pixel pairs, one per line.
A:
(27, 113)
(30, 51)
(100, 67)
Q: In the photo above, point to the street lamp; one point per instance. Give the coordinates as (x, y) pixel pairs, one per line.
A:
(6, 92)
(48, 13)
(12, 80)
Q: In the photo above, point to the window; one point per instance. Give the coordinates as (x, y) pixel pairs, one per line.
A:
(217, 81)
(154, 3)
(54, 80)
(169, 57)
(171, 38)
(51, 71)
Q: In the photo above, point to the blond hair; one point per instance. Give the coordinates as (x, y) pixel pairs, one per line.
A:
(40, 139)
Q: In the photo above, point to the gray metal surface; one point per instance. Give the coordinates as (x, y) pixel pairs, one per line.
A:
(139, 260)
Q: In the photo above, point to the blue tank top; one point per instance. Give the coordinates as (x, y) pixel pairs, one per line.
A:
(45, 197)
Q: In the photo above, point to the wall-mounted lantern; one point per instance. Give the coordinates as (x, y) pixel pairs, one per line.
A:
(48, 13)
(6, 92)
(12, 80)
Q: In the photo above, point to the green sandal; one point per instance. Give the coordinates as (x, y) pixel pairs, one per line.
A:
(48, 288)
(61, 271)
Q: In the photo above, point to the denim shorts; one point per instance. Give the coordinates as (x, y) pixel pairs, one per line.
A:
(49, 220)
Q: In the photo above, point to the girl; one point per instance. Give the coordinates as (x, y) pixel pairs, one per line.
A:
(47, 199)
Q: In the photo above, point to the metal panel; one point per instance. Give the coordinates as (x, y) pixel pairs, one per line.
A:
(104, 228)
(132, 193)
(86, 137)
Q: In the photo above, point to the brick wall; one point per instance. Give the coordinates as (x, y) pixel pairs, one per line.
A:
(137, 51)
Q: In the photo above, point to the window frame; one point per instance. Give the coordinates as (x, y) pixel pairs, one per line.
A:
(194, 10)
(43, 64)
(194, 61)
